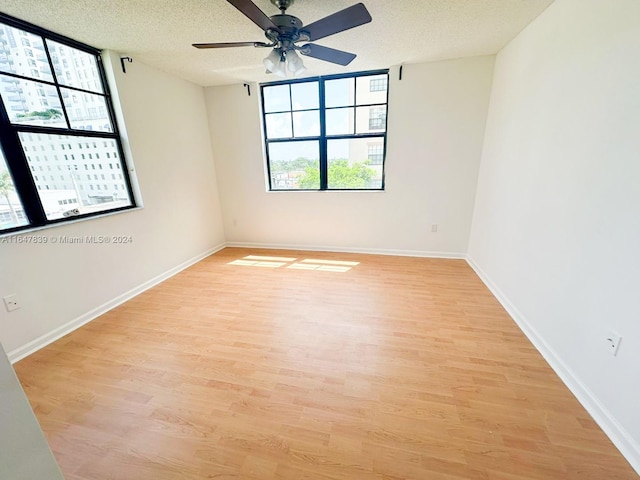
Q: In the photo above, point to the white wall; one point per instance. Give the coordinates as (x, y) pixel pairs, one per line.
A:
(167, 131)
(556, 226)
(24, 453)
(436, 123)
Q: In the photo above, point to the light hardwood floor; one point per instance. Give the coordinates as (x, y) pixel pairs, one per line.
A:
(388, 368)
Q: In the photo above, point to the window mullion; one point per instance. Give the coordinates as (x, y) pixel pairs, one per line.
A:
(57, 85)
(324, 169)
(293, 133)
(16, 160)
(355, 105)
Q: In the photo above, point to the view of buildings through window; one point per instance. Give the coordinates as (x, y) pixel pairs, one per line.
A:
(59, 133)
(11, 209)
(327, 133)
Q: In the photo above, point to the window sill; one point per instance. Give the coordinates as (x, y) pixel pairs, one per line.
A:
(26, 231)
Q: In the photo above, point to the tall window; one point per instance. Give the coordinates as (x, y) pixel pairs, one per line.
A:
(319, 132)
(54, 109)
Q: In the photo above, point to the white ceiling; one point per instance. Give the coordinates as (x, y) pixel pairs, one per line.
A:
(160, 32)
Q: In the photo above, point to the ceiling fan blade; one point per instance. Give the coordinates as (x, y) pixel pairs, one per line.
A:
(327, 54)
(251, 11)
(351, 17)
(229, 44)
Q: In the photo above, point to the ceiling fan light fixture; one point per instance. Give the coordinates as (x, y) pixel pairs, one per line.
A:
(280, 69)
(272, 60)
(294, 63)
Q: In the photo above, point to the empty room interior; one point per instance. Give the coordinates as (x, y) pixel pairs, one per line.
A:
(387, 240)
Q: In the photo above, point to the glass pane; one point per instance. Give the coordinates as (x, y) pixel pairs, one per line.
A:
(294, 165)
(23, 53)
(339, 93)
(349, 166)
(371, 89)
(31, 103)
(276, 99)
(305, 96)
(75, 68)
(306, 124)
(11, 211)
(278, 125)
(371, 119)
(75, 175)
(339, 121)
(86, 111)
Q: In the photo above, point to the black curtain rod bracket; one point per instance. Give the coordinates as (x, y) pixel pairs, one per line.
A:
(122, 60)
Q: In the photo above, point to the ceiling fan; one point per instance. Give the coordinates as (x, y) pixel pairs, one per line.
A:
(284, 31)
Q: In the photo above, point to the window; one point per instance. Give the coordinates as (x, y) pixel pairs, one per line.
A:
(378, 84)
(377, 118)
(376, 153)
(318, 132)
(43, 106)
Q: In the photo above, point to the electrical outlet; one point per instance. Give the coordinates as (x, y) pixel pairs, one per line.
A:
(434, 227)
(613, 342)
(11, 302)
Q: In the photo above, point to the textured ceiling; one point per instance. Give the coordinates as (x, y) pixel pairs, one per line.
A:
(160, 32)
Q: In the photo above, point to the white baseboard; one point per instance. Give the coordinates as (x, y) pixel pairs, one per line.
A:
(44, 340)
(620, 437)
(374, 251)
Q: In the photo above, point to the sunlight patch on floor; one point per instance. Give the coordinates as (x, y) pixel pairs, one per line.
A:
(272, 259)
(339, 266)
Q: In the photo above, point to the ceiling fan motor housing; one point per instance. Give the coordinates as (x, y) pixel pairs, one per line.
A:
(289, 30)
(287, 23)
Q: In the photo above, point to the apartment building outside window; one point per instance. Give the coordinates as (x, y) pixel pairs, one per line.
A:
(376, 153)
(378, 84)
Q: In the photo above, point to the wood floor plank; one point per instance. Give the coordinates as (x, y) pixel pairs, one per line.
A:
(319, 366)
